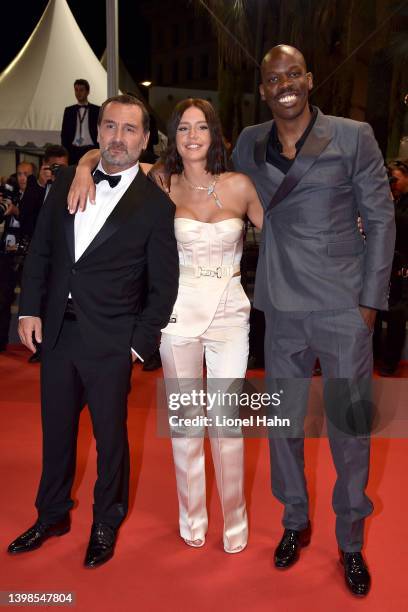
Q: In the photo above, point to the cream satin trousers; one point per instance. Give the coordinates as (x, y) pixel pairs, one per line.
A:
(226, 355)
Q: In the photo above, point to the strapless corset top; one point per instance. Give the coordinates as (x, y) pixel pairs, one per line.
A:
(209, 244)
(211, 294)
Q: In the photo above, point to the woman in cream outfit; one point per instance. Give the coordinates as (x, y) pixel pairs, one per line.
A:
(211, 315)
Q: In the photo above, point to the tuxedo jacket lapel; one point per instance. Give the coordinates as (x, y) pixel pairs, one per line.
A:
(315, 144)
(129, 202)
(261, 145)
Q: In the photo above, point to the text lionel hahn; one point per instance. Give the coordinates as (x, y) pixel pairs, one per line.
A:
(223, 421)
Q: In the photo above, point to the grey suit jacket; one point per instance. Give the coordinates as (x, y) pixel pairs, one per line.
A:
(312, 255)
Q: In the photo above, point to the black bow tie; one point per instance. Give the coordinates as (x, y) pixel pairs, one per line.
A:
(101, 176)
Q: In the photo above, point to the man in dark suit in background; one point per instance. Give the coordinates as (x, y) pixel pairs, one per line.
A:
(79, 131)
(97, 288)
(319, 284)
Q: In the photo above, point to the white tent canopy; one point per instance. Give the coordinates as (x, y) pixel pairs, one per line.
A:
(38, 84)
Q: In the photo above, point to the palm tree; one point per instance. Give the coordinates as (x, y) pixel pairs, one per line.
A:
(327, 32)
(230, 17)
(258, 25)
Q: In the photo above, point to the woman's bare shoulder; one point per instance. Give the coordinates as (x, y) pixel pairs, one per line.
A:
(237, 180)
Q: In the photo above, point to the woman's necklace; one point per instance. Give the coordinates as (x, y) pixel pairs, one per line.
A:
(210, 189)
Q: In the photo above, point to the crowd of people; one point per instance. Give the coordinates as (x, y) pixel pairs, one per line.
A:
(148, 252)
(389, 349)
(21, 199)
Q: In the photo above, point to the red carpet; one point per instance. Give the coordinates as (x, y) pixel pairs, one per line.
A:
(152, 568)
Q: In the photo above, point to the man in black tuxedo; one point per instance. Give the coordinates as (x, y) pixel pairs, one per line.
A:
(105, 280)
(79, 131)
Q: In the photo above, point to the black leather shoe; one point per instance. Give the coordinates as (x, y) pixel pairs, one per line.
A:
(37, 534)
(356, 574)
(101, 545)
(288, 550)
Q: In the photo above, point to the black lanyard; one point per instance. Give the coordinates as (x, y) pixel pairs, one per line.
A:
(81, 120)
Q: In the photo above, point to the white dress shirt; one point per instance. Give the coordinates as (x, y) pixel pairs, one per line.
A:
(89, 222)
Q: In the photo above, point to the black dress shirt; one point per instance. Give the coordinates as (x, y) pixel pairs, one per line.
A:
(274, 148)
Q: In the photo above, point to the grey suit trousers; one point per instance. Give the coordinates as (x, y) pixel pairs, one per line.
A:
(343, 343)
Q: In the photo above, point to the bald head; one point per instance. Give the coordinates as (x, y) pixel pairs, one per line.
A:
(277, 52)
(286, 84)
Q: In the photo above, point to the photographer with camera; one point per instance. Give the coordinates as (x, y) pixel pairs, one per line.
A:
(55, 156)
(20, 204)
(18, 211)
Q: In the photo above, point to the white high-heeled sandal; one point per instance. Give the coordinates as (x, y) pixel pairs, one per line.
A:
(237, 549)
(195, 543)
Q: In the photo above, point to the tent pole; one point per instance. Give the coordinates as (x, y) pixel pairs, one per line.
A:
(112, 55)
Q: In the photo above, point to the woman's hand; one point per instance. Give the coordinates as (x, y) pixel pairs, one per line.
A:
(82, 187)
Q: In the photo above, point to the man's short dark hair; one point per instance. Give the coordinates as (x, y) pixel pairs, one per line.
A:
(55, 151)
(127, 99)
(83, 82)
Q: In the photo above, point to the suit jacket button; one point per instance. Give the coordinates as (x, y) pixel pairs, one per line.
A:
(73, 270)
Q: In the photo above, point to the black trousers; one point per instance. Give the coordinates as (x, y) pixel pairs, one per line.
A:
(396, 317)
(395, 336)
(71, 376)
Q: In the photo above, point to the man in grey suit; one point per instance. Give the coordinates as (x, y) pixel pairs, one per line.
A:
(319, 284)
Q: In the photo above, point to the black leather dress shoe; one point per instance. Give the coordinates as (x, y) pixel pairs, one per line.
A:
(356, 574)
(101, 545)
(288, 550)
(37, 534)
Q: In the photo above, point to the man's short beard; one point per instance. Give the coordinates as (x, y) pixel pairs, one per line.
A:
(115, 161)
